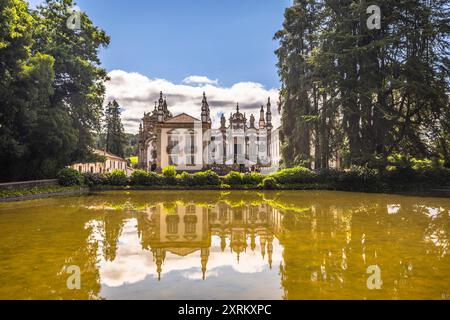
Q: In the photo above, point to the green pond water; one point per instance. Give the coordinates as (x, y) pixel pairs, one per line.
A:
(226, 245)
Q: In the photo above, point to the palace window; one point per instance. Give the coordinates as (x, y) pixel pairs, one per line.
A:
(247, 148)
(190, 224)
(173, 160)
(262, 216)
(172, 223)
(190, 149)
(237, 150)
(254, 214)
(237, 215)
(213, 150)
(223, 214)
(173, 149)
(213, 216)
(190, 228)
(190, 209)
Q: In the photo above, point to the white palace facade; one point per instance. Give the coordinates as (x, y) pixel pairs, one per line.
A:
(191, 144)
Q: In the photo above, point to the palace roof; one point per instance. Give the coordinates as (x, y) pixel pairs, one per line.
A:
(182, 118)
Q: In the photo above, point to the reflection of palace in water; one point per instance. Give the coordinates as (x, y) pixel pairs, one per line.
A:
(183, 229)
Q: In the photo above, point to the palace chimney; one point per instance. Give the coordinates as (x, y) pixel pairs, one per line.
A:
(262, 122)
(269, 116)
(223, 122)
(206, 118)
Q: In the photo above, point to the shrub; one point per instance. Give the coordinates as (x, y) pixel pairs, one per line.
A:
(359, 178)
(185, 179)
(233, 178)
(328, 175)
(422, 165)
(69, 177)
(294, 175)
(434, 176)
(170, 174)
(398, 175)
(269, 183)
(118, 178)
(94, 179)
(154, 179)
(140, 177)
(206, 178)
(252, 178)
(400, 169)
(400, 161)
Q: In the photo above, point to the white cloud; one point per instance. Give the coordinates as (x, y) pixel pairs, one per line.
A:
(133, 264)
(137, 94)
(200, 80)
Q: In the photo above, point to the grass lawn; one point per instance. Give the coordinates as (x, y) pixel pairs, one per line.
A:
(21, 192)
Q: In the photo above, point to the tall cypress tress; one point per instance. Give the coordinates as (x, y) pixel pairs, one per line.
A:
(360, 94)
(115, 135)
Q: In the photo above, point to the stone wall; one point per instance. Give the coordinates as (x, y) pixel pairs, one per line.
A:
(28, 184)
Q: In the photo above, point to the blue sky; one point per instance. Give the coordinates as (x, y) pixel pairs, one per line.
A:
(217, 44)
(229, 40)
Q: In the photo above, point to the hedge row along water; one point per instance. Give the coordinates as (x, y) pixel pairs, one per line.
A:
(356, 179)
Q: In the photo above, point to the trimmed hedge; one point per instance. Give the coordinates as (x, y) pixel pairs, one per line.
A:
(357, 179)
(269, 183)
(144, 178)
(69, 177)
(233, 178)
(185, 179)
(243, 179)
(252, 178)
(295, 175)
(118, 178)
(139, 177)
(204, 178)
(207, 178)
(170, 175)
(95, 179)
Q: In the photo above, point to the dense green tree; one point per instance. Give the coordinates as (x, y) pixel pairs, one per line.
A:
(25, 91)
(295, 72)
(130, 146)
(51, 88)
(79, 79)
(15, 40)
(115, 135)
(371, 92)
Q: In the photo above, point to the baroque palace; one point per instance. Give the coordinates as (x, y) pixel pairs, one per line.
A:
(190, 144)
(190, 228)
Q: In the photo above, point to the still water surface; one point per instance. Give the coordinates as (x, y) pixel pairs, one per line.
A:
(226, 245)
